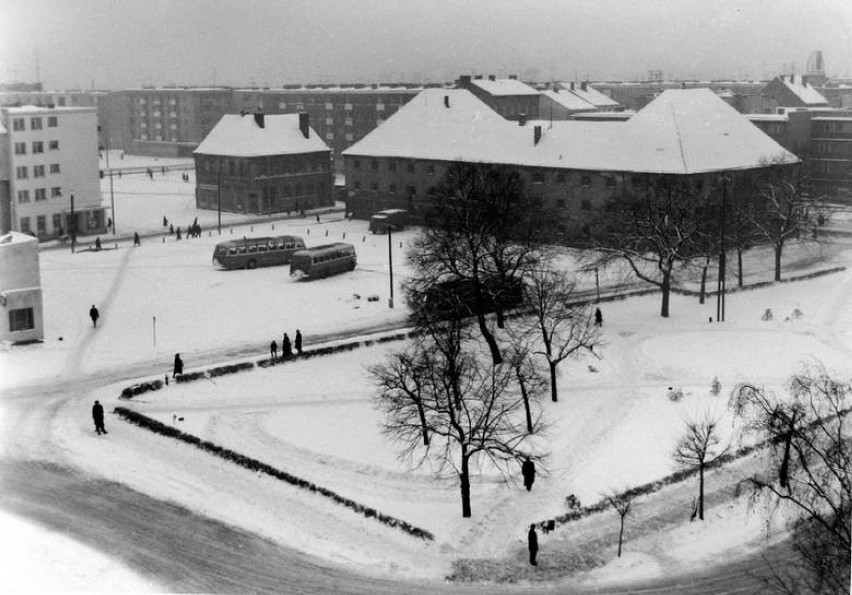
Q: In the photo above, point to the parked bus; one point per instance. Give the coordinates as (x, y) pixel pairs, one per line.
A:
(322, 261)
(250, 253)
(396, 219)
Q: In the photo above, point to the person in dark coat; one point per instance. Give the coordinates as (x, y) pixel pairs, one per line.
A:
(165, 221)
(178, 369)
(298, 343)
(598, 317)
(528, 471)
(532, 542)
(286, 349)
(136, 240)
(273, 349)
(97, 244)
(177, 234)
(98, 416)
(94, 315)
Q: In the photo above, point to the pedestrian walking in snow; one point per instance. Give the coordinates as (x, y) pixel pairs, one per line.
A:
(598, 317)
(177, 234)
(273, 349)
(528, 471)
(298, 342)
(171, 229)
(136, 240)
(98, 416)
(178, 368)
(318, 218)
(94, 315)
(286, 349)
(97, 244)
(165, 221)
(532, 543)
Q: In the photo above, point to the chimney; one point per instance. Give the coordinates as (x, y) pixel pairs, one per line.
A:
(492, 77)
(477, 77)
(584, 86)
(446, 101)
(572, 86)
(513, 77)
(522, 119)
(536, 134)
(258, 119)
(464, 81)
(304, 123)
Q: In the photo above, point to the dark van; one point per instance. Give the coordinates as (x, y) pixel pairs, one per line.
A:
(395, 219)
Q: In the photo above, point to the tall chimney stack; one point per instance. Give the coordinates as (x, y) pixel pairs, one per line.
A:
(536, 134)
(304, 124)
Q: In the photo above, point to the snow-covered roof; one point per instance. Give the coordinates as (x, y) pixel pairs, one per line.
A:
(504, 87)
(680, 132)
(568, 100)
(41, 109)
(241, 136)
(589, 94)
(13, 237)
(803, 90)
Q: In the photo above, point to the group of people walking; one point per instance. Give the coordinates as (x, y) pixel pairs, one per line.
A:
(286, 346)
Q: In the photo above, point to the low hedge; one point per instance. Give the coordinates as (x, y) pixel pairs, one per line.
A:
(229, 369)
(261, 467)
(142, 387)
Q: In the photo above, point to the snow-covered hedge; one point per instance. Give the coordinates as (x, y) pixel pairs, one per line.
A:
(261, 467)
(229, 369)
(142, 387)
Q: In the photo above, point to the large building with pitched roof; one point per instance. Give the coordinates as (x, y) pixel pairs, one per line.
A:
(509, 97)
(570, 166)
(791, 91)
(253, 163)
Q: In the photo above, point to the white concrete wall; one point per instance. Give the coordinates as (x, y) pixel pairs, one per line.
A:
(20, 285)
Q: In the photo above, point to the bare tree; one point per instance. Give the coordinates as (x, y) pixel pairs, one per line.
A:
(785, 208)
(623, 505)
(530, 381)
(809, 469)
(699, 447)
(654, 228)
(485, 235)
(472, 409)
(400, 381)
(565, 327)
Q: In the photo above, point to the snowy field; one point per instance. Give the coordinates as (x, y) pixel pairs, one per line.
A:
(612, 428)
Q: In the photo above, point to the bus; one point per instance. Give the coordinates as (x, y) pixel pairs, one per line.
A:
(250, 253)
(396, 219)
(322, 261)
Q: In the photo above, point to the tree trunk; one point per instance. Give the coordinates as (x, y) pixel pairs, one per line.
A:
(526, 397)
(464, 477)
(620, 535)
(423, 424)
(703, 284)
(740, 268)
(665, 286)
(553, 394)
(496, 357)
(701, 491)
(778, 248)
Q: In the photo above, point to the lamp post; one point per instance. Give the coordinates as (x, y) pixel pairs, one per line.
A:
(720, 286)
(111, 193)
(72, 224)
(390, 265)
(597, 284)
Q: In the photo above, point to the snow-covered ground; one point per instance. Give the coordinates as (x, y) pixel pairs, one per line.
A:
(612, 428)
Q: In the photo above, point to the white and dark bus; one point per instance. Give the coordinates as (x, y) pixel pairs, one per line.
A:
(250, 253)
(322, 261)
(393, 219)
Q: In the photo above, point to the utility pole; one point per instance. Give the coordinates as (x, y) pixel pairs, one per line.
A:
(72, 225)
(390, 265)
(720, 285)
(111, 193)
(219, 192)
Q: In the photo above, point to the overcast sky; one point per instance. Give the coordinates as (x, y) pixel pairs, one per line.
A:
(127, 43)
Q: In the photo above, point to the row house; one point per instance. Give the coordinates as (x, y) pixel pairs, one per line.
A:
(571, 167)
(256, 163)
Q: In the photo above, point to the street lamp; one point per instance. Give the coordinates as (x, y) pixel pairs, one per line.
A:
(72, 224)
(111, 193)
(390, 264)
(597, 284)
(720, 286)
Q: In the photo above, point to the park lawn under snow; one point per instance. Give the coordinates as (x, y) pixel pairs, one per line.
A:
(612, 429)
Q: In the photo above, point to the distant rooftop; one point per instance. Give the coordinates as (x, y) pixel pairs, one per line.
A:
(803, 90)
(589, 94)
(504, 87)
(568, 100)
(242, 136)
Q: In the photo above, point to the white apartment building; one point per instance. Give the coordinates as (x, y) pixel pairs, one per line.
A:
(49, 155)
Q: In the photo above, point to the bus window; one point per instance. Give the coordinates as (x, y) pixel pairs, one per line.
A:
(232, 250)
(241, 249)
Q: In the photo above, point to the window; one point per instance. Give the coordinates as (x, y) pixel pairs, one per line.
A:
(282, 105)
(411, 190)
(25, 225)
(560, 202)
(430, 169)
(57, 223)
(18, 124)
(610, 182)
(52, 121)
(586, 205)
(347, 122)
(20, 148)
(23, 196)
(329, 121)
(41, 225)
(347, 107)
(560, 178)
(35, 123)
(38, 147)
(38, 171)
(21, 320)
(357, 185)
(356, 164)
(329, 136)
(410, 168)
(349, 136)
(55, 192)
(585, 180)
(392, 165)
(41, 194)
(21, 173)
(538, 177)
(54, 145)
(374, 164)
(54, 168)
(329, 106)
(380, 107)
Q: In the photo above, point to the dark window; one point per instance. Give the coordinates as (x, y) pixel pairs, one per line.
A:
(374, 187)
(356, 164)
(374, 164)
(411, 190)
(585, 180)
(410, 168)
(19, 124)
(560, 178)
(560, 202)
(392, 165)
(585, 205)
(35, 123)
(392, 188)
(538, 178)
(357, 185)
(610, 182)
(54, 145)
(430, 169)
(21, 320)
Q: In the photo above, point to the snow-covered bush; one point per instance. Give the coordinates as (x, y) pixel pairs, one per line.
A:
(674, 394)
